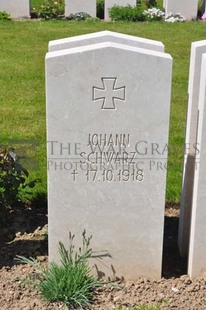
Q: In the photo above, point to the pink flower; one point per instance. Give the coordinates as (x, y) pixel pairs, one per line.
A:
(204, 16)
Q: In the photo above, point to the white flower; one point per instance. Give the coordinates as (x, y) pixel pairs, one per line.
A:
(153, 13)
(172, 18)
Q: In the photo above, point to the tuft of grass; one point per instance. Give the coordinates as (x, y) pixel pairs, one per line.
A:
(70, 282)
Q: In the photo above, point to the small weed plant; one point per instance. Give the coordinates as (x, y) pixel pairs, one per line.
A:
(70, 282)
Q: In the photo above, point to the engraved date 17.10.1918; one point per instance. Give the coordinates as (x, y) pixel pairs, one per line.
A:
(135, 175)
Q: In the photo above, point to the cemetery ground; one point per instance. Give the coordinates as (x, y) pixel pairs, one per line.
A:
(22, 97)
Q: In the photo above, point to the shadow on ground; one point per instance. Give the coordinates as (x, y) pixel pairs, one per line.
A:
(27, 221)
(173, 265)
(30, 219)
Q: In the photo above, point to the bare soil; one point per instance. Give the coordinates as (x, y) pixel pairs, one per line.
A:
(25, 233)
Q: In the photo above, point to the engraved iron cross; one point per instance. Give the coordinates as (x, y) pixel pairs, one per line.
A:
(108, 93)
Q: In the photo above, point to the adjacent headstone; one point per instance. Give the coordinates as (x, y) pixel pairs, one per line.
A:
(103, 36)
(16, 8)
(108, 4)
(78, 6)
(106, 116)
(197, 250)
(197, 50)
(203, 8)
(188, 9)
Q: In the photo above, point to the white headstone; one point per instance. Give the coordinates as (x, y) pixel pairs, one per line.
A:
(102, 36)
(16, 8)
(187, 8)
(197, 49)
(77, 6)
(197, 249)
(105, 113)
(108, 4)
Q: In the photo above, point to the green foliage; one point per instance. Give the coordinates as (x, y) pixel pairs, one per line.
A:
(127, 13)
(100, 9)
(200, 9)
(36, 3)
(13, 178)
(79, 16)
(150, 3)
(71, 282)
(4, 15)
(50, 9)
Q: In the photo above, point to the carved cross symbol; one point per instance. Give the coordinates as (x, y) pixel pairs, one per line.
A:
(108, 94)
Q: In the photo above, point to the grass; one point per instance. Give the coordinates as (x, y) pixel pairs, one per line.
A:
(22, 81)
(70, 282)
